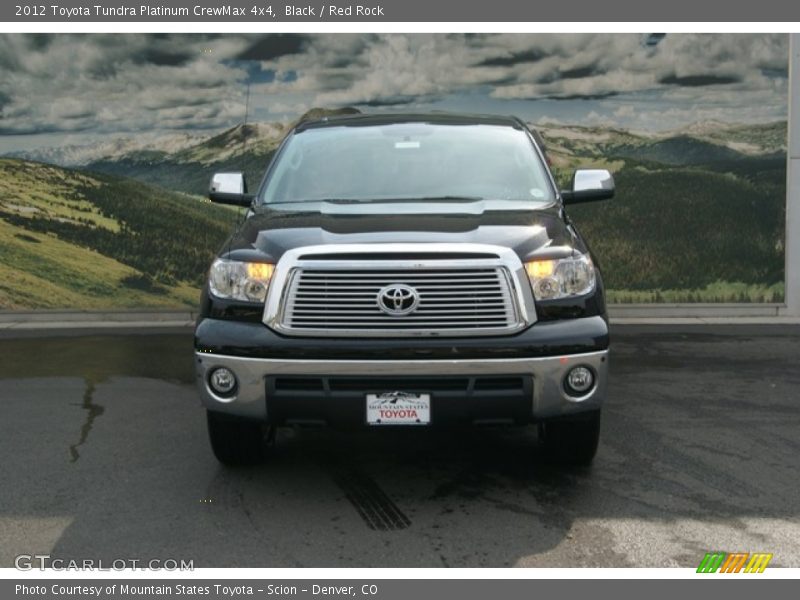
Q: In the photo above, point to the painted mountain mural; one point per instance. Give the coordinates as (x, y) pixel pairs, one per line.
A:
(107, 144)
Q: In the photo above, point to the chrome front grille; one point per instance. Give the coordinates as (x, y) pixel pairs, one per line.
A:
(452, 300)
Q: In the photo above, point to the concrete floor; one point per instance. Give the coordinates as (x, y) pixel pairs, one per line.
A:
(105, 456)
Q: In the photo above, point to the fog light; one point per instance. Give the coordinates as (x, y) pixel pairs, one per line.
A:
(579, 381)
(222, 381)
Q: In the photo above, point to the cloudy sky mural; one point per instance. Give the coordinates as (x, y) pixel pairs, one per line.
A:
(67, 89)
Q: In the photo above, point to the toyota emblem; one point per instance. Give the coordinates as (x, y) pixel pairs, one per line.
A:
(398, 299)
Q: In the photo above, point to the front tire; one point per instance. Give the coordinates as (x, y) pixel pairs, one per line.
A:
(236, 441)
(571, 440)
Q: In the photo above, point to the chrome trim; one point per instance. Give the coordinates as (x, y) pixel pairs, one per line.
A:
(227, 183)
(549, 397)
(397, 293)
(589, 180)
(277, 302)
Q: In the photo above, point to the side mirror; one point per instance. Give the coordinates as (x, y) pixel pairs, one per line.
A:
(229, 188)
(589, 185)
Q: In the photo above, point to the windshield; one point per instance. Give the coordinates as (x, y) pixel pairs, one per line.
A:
(408, 161)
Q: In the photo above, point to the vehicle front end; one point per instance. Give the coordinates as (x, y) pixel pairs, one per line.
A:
(422, 312)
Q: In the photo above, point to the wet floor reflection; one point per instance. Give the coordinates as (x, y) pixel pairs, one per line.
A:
(97, 358)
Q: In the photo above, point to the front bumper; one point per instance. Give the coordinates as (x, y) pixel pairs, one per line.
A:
(543, 395)
(544, 339)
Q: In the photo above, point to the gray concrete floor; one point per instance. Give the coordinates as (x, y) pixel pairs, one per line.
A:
(105, 456)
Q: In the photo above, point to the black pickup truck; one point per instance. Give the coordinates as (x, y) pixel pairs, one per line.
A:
(405, 271)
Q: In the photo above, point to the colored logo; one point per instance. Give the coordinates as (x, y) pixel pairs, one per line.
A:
(734, 562)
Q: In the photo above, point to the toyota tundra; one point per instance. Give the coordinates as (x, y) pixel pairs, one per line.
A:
(405, 271)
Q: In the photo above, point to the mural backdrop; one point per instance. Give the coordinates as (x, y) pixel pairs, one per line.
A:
(107, 143)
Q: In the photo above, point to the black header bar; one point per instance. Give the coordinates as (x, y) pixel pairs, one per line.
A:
(392, 11)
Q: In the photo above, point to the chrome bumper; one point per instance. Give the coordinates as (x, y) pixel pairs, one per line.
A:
(549, 397)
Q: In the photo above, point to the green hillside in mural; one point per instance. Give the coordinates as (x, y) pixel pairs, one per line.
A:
(247, 148)
(189, 170)
(698, 217)
(71, 239)
(691, 234)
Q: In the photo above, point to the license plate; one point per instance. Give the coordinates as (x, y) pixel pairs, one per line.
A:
(398, 408)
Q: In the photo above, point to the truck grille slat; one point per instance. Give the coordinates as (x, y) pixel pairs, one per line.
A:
(360, 304)
(344, 296)
(415, 276)
(476, 299)
(370, 323)
(442, 314)
(429, 286)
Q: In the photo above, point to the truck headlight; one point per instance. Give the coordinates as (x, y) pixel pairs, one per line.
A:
(552, 279)
(238, 280)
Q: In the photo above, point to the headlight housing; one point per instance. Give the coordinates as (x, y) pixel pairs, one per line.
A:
(238, 280)
(553, 279)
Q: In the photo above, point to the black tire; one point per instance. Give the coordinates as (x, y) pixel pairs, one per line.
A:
(572, 440)
(236, 441)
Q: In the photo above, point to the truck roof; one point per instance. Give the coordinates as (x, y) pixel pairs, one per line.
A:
(443, 118)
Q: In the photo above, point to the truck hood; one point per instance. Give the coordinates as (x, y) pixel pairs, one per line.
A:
(528, 229)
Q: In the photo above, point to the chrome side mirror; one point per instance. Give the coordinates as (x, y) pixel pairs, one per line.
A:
(589, 185)
(229, 188)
